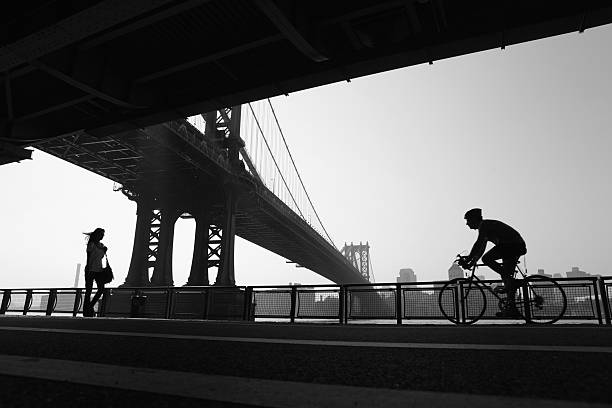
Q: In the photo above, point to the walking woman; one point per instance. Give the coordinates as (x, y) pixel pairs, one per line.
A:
(95, 252)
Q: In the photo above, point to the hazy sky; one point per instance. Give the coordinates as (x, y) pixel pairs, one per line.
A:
(394, 159)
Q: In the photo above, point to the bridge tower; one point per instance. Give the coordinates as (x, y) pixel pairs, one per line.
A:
(359, 256)
(159, 205)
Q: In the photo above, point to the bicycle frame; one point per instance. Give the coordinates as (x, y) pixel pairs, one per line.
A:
(541, 299)
(475, 279)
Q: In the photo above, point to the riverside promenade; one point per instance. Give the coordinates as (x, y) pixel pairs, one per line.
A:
(179, 363)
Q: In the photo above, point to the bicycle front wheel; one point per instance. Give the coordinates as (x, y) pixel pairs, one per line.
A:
(541, 300)
(462, 301)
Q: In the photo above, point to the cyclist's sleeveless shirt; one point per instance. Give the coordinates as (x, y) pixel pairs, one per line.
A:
(498, 233)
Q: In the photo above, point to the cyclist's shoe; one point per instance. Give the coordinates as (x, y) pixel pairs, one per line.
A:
(509, 312)
(538, 301)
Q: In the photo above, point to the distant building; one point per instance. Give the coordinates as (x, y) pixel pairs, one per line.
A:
(557, 275)
(541, 272)
(455, 271)
(577, 273)
(406, 275)
(481, 277)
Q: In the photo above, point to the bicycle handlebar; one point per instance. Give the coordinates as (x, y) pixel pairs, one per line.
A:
(460, 257)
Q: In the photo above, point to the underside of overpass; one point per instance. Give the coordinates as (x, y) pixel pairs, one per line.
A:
(106, 66)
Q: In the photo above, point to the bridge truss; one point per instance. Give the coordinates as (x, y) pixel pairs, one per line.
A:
(359, 256)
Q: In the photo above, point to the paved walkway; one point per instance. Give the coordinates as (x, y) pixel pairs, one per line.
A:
(183, 363)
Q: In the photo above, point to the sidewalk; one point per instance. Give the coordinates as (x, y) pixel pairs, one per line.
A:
(255, 364)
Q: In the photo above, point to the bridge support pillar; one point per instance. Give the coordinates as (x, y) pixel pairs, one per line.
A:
(138, 273)
(162, 272)
(234, 143)
(198, 276)
(225, 276)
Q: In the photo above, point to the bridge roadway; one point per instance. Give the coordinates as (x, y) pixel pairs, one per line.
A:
(128, 362)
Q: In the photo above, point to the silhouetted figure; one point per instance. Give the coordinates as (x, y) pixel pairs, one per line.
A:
(509, 246)
(95, 252)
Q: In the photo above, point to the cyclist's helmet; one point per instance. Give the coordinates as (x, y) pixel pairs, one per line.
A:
(474, 213)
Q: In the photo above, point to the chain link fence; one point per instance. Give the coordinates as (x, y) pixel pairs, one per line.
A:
(588, 300)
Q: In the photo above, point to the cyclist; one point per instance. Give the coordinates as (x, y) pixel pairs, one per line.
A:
(509, 246)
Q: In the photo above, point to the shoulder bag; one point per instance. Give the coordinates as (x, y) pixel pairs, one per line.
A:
(106, 275)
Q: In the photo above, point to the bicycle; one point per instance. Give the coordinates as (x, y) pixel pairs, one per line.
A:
(539, 299)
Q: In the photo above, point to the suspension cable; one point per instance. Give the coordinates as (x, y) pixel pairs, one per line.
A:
(275, 163)
(371, 267)
(298, 174)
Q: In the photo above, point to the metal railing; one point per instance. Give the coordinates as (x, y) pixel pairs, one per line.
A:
(588, 299)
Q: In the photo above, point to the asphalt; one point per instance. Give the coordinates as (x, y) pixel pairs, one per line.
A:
(34, 392)
(559, 363)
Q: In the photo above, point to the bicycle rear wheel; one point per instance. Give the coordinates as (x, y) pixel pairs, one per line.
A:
(462, 301)
(541, 300)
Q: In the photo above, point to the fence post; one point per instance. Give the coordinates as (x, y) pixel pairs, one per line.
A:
(460, 302)
(248, 299)
(341, 304)
(597, 305)
(293, 303)
(398, 303)
(206, 302)
(51, 301)
(28, 302)
(526, 300)
(6, 298)
(77, 302)
(347, 304)
(103, 302)
(169, 301)
(604, 299)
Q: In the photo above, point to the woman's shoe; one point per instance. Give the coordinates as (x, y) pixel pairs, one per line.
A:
(88, 311)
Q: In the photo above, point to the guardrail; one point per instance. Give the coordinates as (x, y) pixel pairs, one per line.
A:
(589, 299)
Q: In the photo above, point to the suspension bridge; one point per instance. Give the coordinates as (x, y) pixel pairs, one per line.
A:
(232, 171)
